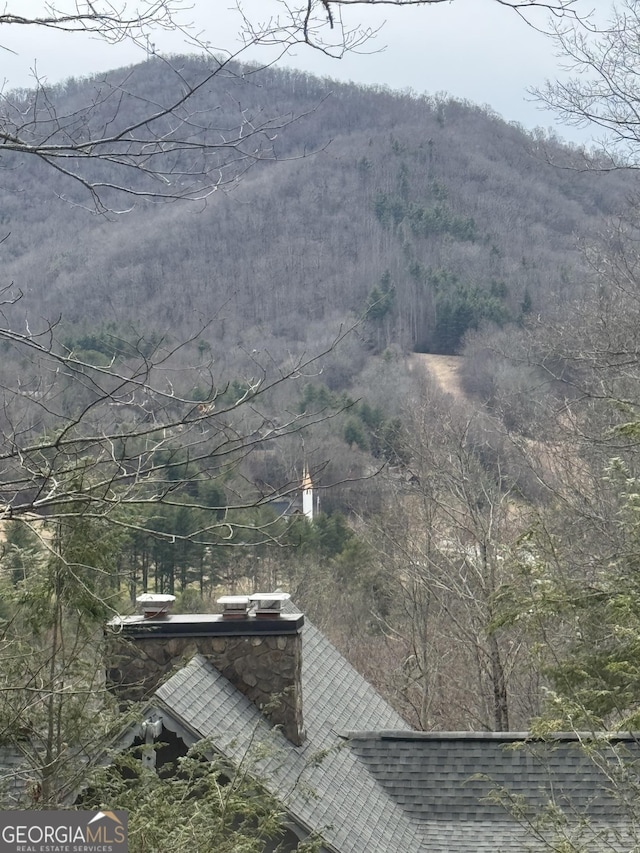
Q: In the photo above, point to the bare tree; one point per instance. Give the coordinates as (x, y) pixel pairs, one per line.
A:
(450, 546)
(94, 435)
(321, 24)
(603, 91)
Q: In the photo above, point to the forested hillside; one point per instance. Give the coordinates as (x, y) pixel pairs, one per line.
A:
(431, 214)
(170, 369)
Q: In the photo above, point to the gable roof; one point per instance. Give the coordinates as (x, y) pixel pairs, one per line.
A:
(337, 796)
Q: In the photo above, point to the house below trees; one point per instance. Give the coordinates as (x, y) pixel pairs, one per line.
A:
(343, 763)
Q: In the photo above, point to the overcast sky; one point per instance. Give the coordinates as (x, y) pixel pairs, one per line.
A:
(472, 49)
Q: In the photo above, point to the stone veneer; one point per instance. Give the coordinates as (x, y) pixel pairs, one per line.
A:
(261, 658)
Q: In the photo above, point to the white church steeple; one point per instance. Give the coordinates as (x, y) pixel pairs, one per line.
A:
(307, 494)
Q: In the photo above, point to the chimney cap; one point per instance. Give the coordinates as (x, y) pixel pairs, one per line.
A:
(269, 596)
(234, 606)
(269, 603)
(233, 600)
(155, 605)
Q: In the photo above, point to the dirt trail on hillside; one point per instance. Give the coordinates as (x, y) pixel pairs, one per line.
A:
(444, 369)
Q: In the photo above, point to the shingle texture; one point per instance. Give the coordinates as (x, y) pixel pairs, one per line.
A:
(337, 796)
(448, 784)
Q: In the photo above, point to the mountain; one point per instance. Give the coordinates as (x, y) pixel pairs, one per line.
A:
(410, 220)
(431, 214)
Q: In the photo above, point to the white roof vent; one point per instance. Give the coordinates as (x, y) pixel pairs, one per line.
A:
(154, 606)
(234, 606)
(269, 604)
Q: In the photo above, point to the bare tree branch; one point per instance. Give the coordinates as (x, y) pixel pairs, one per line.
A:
(184, 147)
(130, 432)
(603, 90)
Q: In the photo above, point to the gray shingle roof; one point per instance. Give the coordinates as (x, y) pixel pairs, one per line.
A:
(443, 781)
(353, 813)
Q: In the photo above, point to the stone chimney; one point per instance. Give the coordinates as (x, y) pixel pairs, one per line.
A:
(252, 643)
